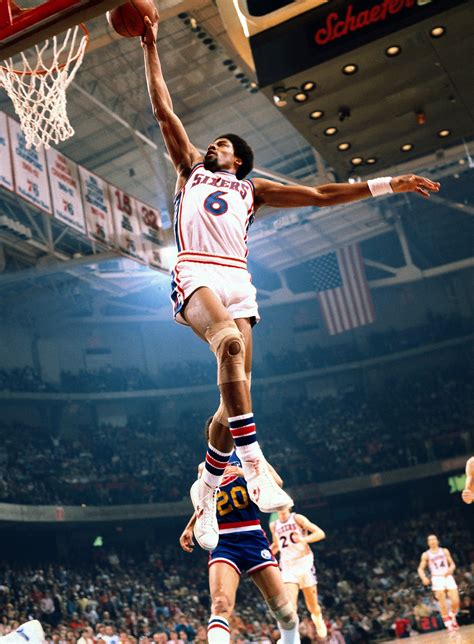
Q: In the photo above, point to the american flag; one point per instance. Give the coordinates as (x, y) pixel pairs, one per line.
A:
(342, 289)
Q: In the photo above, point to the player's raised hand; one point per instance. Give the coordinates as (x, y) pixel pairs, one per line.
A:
(414, 183)
(467, 496)
(151, 32)
(186, 540)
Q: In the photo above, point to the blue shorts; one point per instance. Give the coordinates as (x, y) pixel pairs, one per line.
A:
(244, 551)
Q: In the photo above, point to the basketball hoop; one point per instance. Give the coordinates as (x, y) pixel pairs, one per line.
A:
(37, 86)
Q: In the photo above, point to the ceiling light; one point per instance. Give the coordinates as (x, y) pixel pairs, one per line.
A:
(406, 147)
(371, 160)
(343, 146)
(437, 32)
(330, 131)
(349, 69)
(308, 86)
(444, 133)
(357, 160)
(316, 114)
(393, 50)
(300, 97)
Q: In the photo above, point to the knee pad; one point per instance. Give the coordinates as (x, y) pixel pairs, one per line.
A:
(221, 415)
(227, 343)
(283, 611)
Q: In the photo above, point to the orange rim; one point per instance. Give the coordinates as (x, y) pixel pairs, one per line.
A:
(42, 72)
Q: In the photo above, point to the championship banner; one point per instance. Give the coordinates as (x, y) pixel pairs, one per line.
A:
(29, 167)
(127, 226)
(65, 190)
(152, 233)
(97, 209)
(6, 172)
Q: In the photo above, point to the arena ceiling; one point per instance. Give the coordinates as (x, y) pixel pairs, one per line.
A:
(117, 137)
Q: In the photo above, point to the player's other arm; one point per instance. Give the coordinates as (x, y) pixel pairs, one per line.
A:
(272, 193)
(274, 546)
(422, 568)
(451, 564)
(315, 533)
(468, 492)
(186, 539)
(182, 152)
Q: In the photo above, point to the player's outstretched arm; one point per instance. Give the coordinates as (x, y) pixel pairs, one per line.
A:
(421, 569)
(315, 533)
(468, 492)
(186, 539)
(182, 152)
(271, 193)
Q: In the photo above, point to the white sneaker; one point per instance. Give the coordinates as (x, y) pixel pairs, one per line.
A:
(31, 632)
(321, 628)
(206, 529)
(262, 487)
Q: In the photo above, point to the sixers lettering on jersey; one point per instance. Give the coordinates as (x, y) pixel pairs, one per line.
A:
(235, 511)
(213, 213)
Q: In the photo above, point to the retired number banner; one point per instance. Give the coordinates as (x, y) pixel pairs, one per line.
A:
(65, 190)
(29, 166)
(127, 226)
(97, 210)
(152, 233)
(6, 172)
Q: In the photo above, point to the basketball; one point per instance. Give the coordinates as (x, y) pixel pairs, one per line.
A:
(128, 19)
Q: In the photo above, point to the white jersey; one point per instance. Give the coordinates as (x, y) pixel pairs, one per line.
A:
(437, 562)
(290, 550)
(213, 212)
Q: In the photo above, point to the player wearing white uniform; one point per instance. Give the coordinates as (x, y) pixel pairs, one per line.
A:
(441, 566)
(212, 289)
(28, 633)
(292, 533)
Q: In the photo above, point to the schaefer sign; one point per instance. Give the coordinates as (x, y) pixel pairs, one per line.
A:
(331, 30)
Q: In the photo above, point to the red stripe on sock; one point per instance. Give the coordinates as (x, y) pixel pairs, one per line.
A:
(218, 464)
(243, 431)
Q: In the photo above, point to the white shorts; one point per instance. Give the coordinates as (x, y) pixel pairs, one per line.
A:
(227, 277)
(440, 582)
(301, 572)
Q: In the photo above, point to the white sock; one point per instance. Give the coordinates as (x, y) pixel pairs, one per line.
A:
(290, 636)
(244, 432)
(214, 466)
(218, 630)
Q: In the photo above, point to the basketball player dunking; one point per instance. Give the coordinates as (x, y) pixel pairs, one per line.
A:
(212, 290)
(441, 566)
(243, 547)
(292, 533)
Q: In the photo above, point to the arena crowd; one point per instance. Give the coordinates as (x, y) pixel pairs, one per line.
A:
(427, 417)
(366, 574)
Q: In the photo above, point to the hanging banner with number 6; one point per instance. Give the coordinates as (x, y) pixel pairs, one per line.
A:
(65, 190)
(127, 226)
(97, 210)
(29, 167)
(152, 233)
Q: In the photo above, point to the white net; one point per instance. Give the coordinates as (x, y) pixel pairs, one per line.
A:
(37, 86)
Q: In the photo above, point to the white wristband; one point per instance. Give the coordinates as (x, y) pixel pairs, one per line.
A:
(380, 186)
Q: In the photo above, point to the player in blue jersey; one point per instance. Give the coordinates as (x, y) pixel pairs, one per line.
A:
(243, 547)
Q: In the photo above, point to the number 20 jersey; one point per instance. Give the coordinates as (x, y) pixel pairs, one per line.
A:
(213, 212)
(291, 550)
(235, 511)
